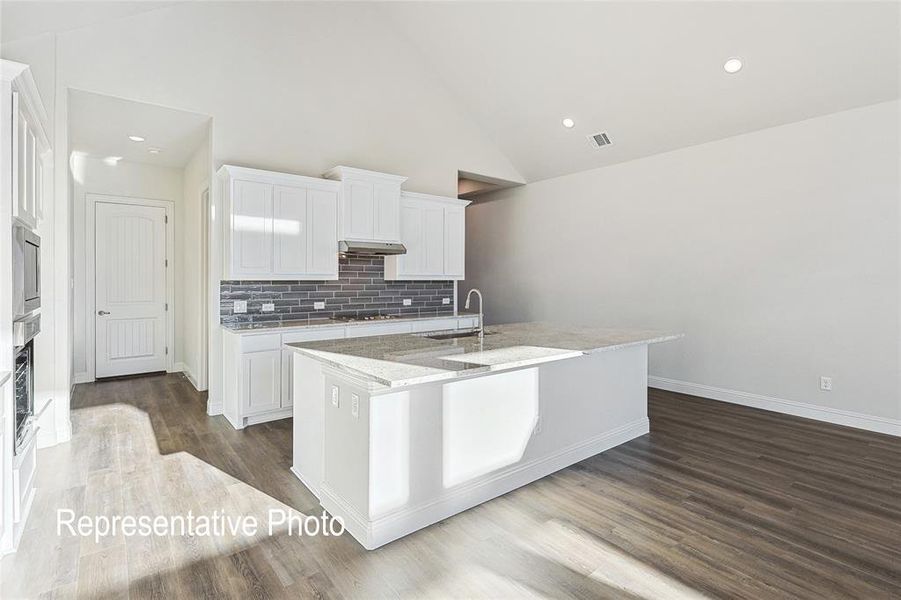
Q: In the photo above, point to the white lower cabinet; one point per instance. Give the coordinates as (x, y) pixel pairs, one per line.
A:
(261, 389)
(257, 369)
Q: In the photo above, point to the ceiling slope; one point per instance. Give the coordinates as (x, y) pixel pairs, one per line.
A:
(650, 75)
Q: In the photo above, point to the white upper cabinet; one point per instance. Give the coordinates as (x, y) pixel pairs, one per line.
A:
(279, 226)
(433, 229)
(368, 205)
(31, 154)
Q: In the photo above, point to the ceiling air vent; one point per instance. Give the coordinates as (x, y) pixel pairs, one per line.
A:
(599, 140)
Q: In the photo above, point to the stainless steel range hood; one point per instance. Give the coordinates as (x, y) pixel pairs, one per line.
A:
(377, 248)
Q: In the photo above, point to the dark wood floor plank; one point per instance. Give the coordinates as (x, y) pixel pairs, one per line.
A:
(718, 501)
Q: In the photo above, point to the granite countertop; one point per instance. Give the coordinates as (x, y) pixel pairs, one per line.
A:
(409, 359)
(313, 323)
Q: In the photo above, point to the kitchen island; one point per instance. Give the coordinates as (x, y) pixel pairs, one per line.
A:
(393, 433)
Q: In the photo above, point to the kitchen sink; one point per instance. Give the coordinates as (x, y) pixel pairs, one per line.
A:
(456, 334)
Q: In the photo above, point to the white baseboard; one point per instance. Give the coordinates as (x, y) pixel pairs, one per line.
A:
(306, 483)
(790, 407)
(189, 374)
(377, 532)
(83, 377)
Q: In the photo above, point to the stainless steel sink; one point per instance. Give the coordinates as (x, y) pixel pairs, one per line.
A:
(456, 334)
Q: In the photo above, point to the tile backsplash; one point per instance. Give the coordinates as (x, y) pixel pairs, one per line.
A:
(360, 290)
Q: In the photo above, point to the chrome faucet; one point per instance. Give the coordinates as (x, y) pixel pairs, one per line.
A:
(481, 310)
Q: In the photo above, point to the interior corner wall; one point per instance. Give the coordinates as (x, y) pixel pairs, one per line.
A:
(197, 178)
(133, 180)
(776, 253)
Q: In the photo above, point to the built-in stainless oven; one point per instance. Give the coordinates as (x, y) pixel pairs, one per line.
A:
(26, 271)
(24, 331)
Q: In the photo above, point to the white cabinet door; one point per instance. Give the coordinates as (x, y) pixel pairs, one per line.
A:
(455, 242)
(262, 381)
(322, 233)
(386, 208)
(289, 230)
(359, 210)
(23, 167)
(251, 229)
(412, 262)
(433, 241)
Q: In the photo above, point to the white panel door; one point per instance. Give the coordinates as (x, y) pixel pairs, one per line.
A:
(251, 229)
(386, 203)
(130, 281)
(433, 240)
(322, 233)
(289, 227)
(358, 211)
(455, 241)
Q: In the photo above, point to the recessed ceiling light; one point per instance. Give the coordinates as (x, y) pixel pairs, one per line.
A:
(136, 138)
(153, 150)
(569, 123)
(733, 65)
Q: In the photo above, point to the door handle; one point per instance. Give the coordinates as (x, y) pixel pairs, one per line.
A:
(102, 312)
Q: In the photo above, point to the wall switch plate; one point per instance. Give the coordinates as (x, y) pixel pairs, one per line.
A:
(319, 305)
(335, 396)
(826, 384)
(445, 301)
(240, 306)
(408, 302)
(355, 405)
(268, 307)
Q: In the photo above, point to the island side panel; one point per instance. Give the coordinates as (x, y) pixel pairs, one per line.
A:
(437, 449)
(308, 423)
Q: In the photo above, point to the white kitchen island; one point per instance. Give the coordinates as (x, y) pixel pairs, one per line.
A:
(393, 433)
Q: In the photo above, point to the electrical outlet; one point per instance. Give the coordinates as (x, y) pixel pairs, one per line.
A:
(268, 307)
(445, 301)
(240, 306)
(319, 305)
(826, 384)
(335, 396)
(354, 405)
(408, 302)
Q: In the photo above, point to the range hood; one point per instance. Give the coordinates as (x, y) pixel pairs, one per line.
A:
(377, 248)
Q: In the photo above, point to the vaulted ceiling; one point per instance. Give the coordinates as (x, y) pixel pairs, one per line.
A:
(648, 74)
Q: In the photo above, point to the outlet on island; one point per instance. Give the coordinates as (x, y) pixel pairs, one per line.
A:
(240, 306)
(408, 302)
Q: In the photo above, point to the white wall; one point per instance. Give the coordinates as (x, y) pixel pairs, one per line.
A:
(197, 174)
(298, 86)
(94, 176)
(775, 252)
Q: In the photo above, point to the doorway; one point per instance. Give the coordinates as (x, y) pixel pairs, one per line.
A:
(133, 286)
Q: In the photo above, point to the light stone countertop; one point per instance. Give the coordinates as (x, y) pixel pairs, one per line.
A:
(4, 375)
(410, 359)
(242, 328)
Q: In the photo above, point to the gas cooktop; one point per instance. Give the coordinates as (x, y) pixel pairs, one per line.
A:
(366, 318)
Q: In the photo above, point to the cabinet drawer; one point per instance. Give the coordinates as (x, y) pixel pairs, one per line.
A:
(379, 329)
(258, 343)
(311, 335)
(434, 325)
